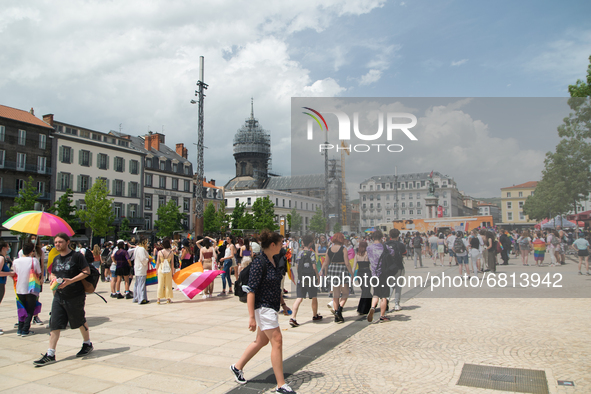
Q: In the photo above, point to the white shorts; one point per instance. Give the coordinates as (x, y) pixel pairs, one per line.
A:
(475, 254)
(266, 318)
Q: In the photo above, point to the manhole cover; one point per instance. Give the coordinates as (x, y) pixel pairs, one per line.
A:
(504, 379)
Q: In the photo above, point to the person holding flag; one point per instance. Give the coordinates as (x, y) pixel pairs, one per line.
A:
(28, 274)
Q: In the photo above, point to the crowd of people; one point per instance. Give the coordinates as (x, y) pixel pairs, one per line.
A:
(271, 259)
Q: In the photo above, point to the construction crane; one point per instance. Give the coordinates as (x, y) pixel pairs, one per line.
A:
(343, 184)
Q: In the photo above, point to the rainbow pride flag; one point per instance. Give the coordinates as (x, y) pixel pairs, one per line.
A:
(52, 253)
(152, 274)
(34, 283)
(20, 308)
(539, 248)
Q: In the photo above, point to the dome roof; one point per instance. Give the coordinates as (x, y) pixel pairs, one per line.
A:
(252, 138)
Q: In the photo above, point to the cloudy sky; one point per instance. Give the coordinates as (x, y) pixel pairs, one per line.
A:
(133, 64)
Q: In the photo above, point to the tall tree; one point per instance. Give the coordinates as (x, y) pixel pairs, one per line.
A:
(294, 220)
(25, 201)
(221, 218)
(125, 230)
(98, 215)
(264, 214)
(65, 209)
(170, 219)
(209, 219)
(318, 222)
(237, 215)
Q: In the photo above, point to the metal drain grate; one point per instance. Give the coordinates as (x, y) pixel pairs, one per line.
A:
(505, 379)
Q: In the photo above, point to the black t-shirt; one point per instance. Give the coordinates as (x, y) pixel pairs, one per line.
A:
(474, 243)
(70, 266)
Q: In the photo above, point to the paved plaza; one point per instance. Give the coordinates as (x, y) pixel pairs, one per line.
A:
(188, 346)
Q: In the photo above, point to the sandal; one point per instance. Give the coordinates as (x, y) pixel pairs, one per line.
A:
(293, 323)
(169, 301)
(158, 302)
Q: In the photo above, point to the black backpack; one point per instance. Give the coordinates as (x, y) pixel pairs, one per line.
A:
(306, 265)
(243, 280)
(388, 262)
(459, 246)
(416, 242)
(398, 254)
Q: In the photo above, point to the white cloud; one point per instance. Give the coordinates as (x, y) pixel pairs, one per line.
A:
(99, 64)
(459, 62)
(371, 77)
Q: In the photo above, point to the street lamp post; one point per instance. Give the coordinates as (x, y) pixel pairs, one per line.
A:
(199, 197)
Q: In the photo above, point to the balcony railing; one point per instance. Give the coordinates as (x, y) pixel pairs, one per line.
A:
(12, 165)
(12, 193)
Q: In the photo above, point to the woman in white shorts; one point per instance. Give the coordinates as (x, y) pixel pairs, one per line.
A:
(263, 301)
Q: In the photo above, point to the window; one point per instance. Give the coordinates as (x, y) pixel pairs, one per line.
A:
(2, 133)
(84, 158)
(532, 193)
(410, 196)
(148, 162)
(290, 203)
(2, 158)
(21, 161)
(175, 184)
(403, 205)
(40, 187)
(521, 216)
(83, 183)
(364, 206)
(402, 196)
(237, 202)
(371, 222)
(445, 203)
(248, 201)
(118, 210)
(444, 194)
(187, 186)
(148, 202)
(284, 202)
(445, 212)
(64, 180)
(377, 187)
(175, 200)
(410, 204)
(378, 197)
(134, 166)
(418, 211)
(387, 196)
(277, 203)
(508, 194)
(20, 184)
(306, 206)
(379, 205)
(149, 180)
(162, 182)
(370, 187)
(161, 201)
(520, 204)
(22, 137)
(410, 212)
(162, 165)
(133, 189)
(119, 164)
(103, 161)
(175, 167)
(520, 194)
(42, 141)
(71, 131)
(387, 213)
(509, 215)
(106, 182)
(422, 183)
(509, 205)
(118, 187)
(132, 210)
(148, 221)
(186, 204)
(404, 212)
(418, 204)
(186, 170)
(65, 154)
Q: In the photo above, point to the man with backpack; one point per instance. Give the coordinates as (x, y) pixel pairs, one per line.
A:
(460, 248)
(307, 275)
(67, 272)
(106, 261)
(381, 263)
(417, 242)
(399, 251)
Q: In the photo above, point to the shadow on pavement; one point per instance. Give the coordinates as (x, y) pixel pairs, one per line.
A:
(98, 353)
(97, 320)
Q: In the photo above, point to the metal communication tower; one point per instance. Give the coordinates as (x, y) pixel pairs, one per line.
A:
(200, 173)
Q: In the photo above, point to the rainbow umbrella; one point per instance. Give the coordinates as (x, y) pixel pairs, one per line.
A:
(37, 222)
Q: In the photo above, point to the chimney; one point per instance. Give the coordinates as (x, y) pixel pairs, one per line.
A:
(212, 181)
(32, 111)
(48, 119)
(152, 141)
(181, 150)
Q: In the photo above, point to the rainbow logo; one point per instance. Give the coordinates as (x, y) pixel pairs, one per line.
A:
(315, 118)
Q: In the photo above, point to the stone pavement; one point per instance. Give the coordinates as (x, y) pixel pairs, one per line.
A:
(187, 346)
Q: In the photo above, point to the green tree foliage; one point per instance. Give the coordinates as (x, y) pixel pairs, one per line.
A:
(125, 230)
(169, 219)
(221, 218)
(98, 215)
(294, 220)
(64, 208)
(337, 228)
(318, 222)
(264, 214)
(25, 201)
(209, 219)
(237, 215)
(566, 178)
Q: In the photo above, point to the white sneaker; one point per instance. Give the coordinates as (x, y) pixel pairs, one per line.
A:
(397, 307)
(329, 305)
